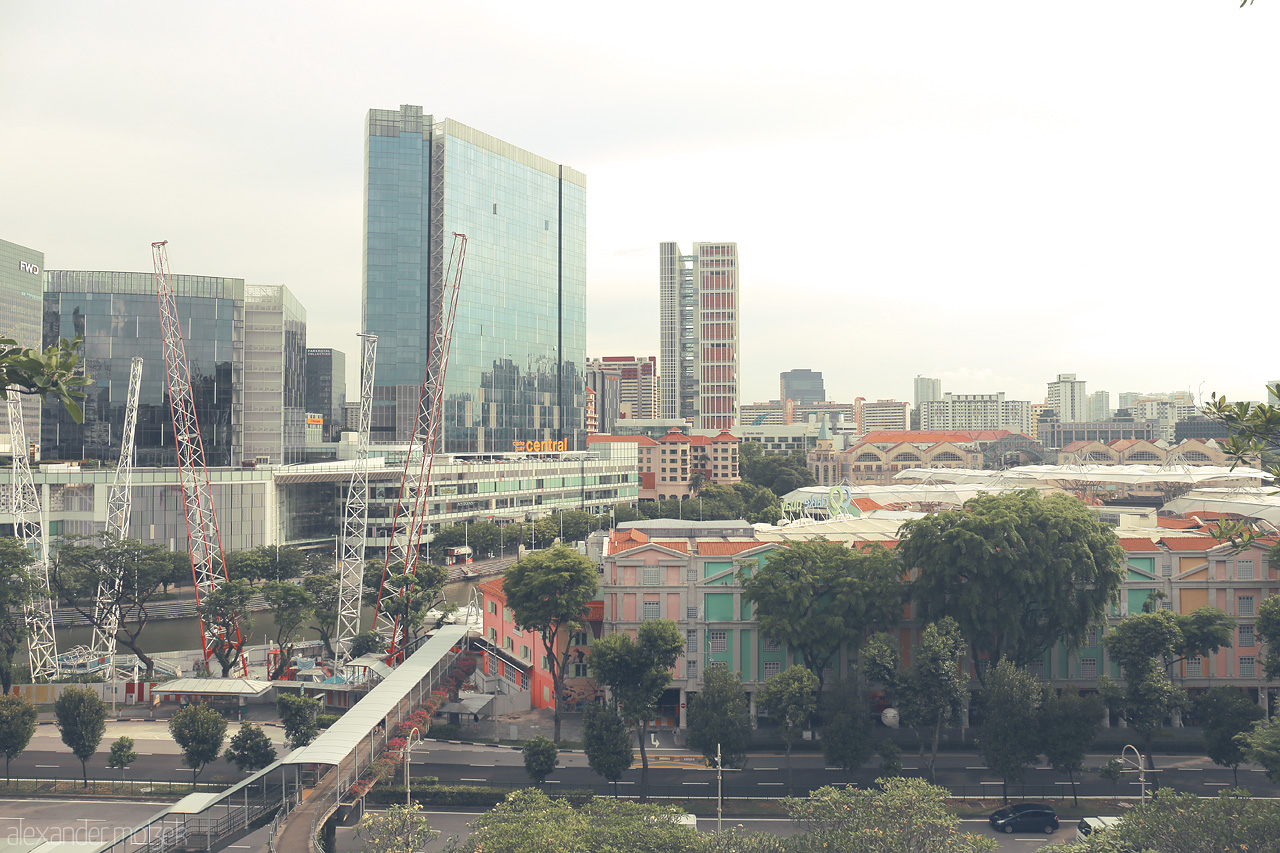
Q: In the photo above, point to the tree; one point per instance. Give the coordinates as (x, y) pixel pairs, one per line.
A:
(1008, 738)
(292, 606)
(780, 473)
(1145, 700)
(225, 615)
(817, 597)
(1226, 712)
(1267, 627)
(397, 829)
(548, 592)
(607, 743)
(1068, 723)
(789, 697)
(1017, 572)
(890, 757)
(846, 727)
(122, 754)
(718, 718)
(17, 724)
(298, 716)
(636, 673)
(82, 719)
(199, 731)
(250, 748)
(929, 694)
(367, 643)
(1261, 745)
(51, 372)
(901, 814)
(323, 589)
(1173, 822)
(540, 758)
(406, 599)
(17, 587)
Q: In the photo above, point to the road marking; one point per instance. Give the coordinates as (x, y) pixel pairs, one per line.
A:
(475, 780)
(553, 781)
(47, 765)
(774, 768)
(482, 765)
(768, 783)
(911, 768)
(1064, 783)
(239, 847)
(1218, 784)
(1188, 768)
(695, 783)
(975, 768)
(990, 783)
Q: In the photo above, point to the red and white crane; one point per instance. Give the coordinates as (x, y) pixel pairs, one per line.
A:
(415, 484)
(28, 518)
(355, 525)
(204, 540)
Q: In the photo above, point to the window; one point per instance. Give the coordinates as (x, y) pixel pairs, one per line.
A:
(652, 610)
(1248, 668)
(1166, 570)
(1166, 605)
(1195, 667)
(691, 613)
(1091, 637)
(690, 669)
(579, 638)
(525, 654)
(508, 644)
(771, 668)
(1088, 667)
(579, 670)
(718, 640)
(1037, 668)
(772, 645)
(542, 662)
(493, 606)
(1244, 605)
(1246, 636)
(493, 635)
(1244, 570)
(691, 642)
(506, 614)
(652, 575)
(691, 575)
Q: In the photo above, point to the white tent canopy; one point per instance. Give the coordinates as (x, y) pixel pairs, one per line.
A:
(1124, 474)
(1250, 503)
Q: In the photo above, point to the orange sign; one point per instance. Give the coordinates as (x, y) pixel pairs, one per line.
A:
(539, 446)
(316, 421)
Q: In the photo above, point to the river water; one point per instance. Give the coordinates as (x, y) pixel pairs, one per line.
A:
(170, 635)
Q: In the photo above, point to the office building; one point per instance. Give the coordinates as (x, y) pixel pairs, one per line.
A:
(698, 307)
(789, 412)
(606, 384)
(976, 412)
(1068, 397)
(327, 389)
(21, 271)
(118, 315)
(803, 387)
(519, 339)
(881, 415)
(637, 384)
(275, 335)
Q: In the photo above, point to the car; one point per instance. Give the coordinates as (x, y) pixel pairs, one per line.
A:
(1025, 817)
(1089, 825)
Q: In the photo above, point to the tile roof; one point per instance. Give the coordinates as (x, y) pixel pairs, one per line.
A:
(1138, 544)
(493, 587)
(682, 547)
(601, 438)
(1189, 543)
(1177, 523)
(726, 549)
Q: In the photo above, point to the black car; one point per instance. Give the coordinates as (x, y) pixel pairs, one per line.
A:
(1025, 817)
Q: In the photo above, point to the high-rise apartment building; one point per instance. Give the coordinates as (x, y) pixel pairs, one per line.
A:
(118, 315)
(802, 387)
(275, 370)
(881, 416)
(1068, 397)
(21, 286)
(519, 340)
(698, 301)
(1100, 406)
(606, 384)
(976, 412)
(927, 390)
(327, 388)
(638, 384)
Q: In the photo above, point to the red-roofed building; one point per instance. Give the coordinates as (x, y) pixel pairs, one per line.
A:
(878, 456)
(670, 466)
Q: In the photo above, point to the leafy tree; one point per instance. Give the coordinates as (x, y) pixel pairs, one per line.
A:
(1261, 745)
(1017, 572)
(1267, 627)
(199, 731)
(846, 727)
(789, 697)
(17, 587)
(718, 718)
(1225, 713)
(225, 614)
(249, 565)
(1068, 723)
(1145, 700)
(1113, 771)
(817, 597)
(529, 821)
(607, 743)
(292, 606)
(367, 643)
(902, 814)
(82, 719)
(298, 716)
(281, 561)
(780, 473)
(407, 600)
(45, 373)
(17, 724)
(323, 589)
(548, 592)
(540, 758)
(636, 673)
(250, 748)
(890, 757)
(397, 829)
(122, 754)
(929, 694)
(1008, 738)
(1172, 822)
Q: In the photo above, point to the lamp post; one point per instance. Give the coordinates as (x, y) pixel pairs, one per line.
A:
(719, 789)
(408, 746)
(1139, 766)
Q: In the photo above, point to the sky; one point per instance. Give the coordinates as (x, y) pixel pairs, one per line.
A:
(991, 192)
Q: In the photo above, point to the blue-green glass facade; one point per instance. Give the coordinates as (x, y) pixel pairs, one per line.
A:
(519, 340)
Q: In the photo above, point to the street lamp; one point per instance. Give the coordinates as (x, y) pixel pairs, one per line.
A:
(408, 746)
(1139, 766)
(719, 789)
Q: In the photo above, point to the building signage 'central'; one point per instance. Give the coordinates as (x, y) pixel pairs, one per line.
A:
(540, 446)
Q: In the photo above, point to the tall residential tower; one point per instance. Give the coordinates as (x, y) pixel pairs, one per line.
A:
(698, 298)
(519, 340)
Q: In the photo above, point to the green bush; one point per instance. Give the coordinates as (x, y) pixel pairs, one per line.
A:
(426, 792)
(445, 731)
(323, 721)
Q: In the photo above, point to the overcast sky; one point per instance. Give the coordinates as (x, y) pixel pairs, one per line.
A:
(987, 192)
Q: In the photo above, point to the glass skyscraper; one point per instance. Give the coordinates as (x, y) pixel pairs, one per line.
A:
(119, 316)
(21, 274)
(519, 340)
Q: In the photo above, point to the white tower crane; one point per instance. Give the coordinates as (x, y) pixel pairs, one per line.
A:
(355, 526)
(28, 518)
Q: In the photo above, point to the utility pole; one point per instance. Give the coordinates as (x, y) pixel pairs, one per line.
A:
(719, 789)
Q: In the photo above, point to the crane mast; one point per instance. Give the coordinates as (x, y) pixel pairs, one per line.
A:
(355, 526)
(28, 518)
(415, 483)
(204, 541)
(107, 608)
